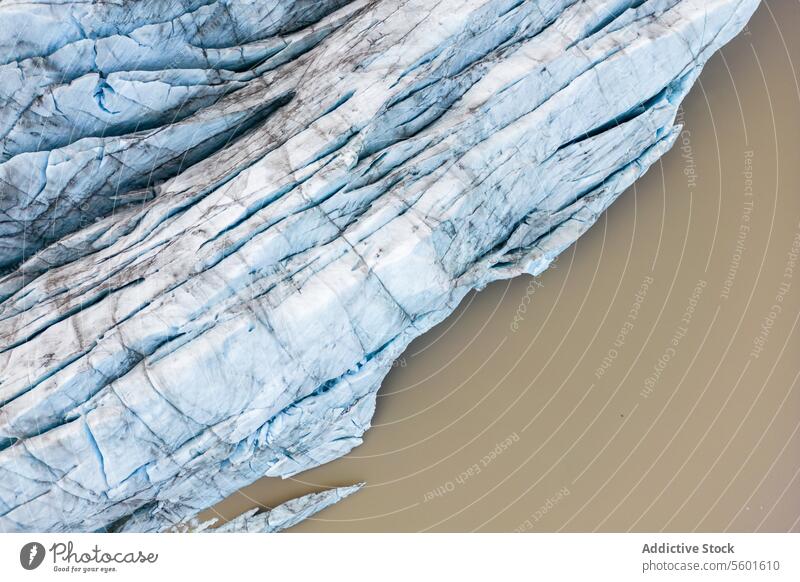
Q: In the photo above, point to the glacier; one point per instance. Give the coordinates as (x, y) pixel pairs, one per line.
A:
(278, 518)
(222, 221)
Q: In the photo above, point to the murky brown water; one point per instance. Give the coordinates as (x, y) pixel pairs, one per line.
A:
(651, 380)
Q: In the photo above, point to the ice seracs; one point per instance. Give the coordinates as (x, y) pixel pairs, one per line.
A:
(235, 317)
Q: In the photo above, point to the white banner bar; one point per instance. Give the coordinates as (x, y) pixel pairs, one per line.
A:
(461, 557)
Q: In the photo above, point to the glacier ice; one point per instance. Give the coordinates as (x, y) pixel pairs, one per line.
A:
(282, 516)
(222, 221)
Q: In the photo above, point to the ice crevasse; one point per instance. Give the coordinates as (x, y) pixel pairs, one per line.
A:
(222, 221)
